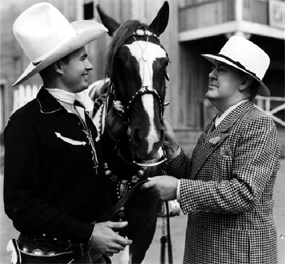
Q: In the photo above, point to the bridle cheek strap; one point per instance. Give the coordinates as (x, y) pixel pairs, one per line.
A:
(141, 92)
(146, 74)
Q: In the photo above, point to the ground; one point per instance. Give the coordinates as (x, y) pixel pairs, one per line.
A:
(178, 227)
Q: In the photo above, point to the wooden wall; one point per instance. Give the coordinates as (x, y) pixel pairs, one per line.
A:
(256, 11)
(14, 61)
(199, 14)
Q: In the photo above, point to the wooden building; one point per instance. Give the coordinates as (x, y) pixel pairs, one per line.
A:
(195, 27)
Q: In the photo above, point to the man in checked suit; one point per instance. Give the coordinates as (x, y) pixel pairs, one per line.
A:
(226, 187)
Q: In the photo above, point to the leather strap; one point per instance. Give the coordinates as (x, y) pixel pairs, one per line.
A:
(123, 201)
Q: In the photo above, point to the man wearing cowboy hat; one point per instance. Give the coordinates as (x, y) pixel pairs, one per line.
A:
(54, 175)
(226, 187)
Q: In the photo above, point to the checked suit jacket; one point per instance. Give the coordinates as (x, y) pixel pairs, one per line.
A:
(226, 189)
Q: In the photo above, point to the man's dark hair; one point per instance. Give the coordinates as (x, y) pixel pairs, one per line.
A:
(45, 73)
(66, 59)
(253, 86)
(253, 89)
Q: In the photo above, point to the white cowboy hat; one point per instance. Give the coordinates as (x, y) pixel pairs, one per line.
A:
(46, 36)
(245, 56)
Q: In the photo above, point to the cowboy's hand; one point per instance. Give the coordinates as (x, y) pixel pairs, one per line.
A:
(106, 240)
(162, 186)
(170, 144)
(115, 124)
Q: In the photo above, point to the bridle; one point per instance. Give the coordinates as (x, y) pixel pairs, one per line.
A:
(142, 32)
(145, 90)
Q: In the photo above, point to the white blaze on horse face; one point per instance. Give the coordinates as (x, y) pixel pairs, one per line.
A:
(152, 137)
(146, 53)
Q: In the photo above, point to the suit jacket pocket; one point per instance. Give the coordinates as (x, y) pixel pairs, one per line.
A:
(224, 164)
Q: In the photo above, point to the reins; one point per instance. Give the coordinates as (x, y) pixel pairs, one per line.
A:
(166, 237)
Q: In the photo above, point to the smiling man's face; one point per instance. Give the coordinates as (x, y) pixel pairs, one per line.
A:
(75, 71)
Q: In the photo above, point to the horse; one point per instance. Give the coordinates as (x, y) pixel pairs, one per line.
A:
(136, 75)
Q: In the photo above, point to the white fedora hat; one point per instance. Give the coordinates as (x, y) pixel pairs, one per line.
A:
(245, 56)
(46, 36)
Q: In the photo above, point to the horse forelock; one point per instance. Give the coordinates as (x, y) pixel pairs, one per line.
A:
(121, 35)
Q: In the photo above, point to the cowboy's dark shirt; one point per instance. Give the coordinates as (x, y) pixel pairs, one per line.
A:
(50, 185)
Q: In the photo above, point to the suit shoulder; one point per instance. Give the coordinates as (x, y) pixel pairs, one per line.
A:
(259, 119)
(257, 114)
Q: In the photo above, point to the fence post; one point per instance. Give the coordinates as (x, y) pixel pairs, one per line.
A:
(23, 95)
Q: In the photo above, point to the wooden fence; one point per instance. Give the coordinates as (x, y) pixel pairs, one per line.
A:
(271, 106)
(23, 95)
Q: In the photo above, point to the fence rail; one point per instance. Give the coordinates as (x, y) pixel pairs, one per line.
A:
(271, 106)
(23, 95)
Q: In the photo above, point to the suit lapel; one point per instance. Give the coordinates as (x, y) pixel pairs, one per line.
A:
(213, 139)
(211, 142)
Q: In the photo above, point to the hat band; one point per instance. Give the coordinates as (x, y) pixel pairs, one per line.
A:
(36, 63)
(237, 63)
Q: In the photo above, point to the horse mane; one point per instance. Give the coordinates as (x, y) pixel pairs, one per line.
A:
(121, 35)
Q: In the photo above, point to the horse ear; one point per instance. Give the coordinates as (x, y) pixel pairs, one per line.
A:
(107, 21)
(159, 24)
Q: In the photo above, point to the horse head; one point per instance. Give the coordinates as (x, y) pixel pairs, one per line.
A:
(137, 67)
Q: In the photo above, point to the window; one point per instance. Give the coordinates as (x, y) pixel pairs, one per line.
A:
(2, 105)
(88, 9)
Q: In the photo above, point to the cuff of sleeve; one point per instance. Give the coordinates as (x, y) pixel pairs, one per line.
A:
(178, 191)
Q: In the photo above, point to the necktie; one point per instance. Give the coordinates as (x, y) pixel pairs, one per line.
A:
(212, 127)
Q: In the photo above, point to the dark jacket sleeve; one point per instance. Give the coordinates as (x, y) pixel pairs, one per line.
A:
(179, 167)
(23, 203)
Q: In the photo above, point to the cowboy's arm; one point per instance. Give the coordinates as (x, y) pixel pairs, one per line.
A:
(114, 127)
(115, 122)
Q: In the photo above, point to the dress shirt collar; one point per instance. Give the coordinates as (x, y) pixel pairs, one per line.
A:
(220, 118)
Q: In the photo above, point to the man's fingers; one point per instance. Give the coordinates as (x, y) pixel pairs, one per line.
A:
(117, 225)
(118, 106)
(122, 242)
(149, 184)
